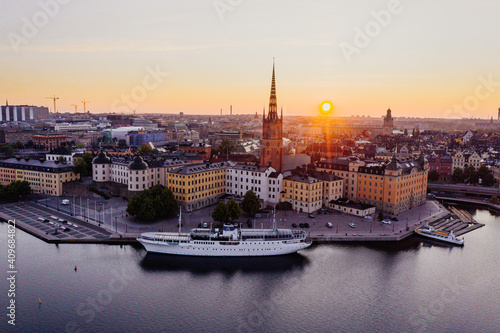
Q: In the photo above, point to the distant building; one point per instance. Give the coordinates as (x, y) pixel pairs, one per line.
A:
(388, 123)
(303, 192)
(49, 141)
(442, 164)
(23, 113)
(272, 133)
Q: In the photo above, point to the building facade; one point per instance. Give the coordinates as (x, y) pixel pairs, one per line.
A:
(49, 141)
(272, 133)
(45, 177)
(463, 160)
(303, 192)
(23, 113)
(264, 181)
(198, 186)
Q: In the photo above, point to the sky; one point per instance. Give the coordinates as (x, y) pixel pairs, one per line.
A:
(420, 58)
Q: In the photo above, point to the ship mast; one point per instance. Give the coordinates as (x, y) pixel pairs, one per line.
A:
(180, 219)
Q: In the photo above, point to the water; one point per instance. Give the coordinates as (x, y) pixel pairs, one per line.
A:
(409, 286)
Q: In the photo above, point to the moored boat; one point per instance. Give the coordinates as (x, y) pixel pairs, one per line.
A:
(430, 232)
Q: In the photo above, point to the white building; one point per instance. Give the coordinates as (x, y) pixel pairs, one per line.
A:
(73, 127)
(263, 180)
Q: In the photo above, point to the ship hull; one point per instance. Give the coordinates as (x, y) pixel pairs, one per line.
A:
(242, 249)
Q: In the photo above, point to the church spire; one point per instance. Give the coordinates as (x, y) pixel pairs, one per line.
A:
(273, 104)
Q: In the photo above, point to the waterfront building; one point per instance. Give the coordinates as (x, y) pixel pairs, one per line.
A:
(303, 192)
(349, 207)
(272, 133)
(198, 186)
(45, 177)
(263, 180)
(392, 186)
(333, 186)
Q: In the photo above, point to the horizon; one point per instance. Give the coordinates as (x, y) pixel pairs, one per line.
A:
(199, 57)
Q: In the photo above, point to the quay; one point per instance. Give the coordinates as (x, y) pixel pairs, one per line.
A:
(125, 230)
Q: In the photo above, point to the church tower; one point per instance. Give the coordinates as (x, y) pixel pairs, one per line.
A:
(388, 123)
(272, 133)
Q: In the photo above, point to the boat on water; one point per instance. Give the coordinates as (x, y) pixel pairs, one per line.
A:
(448, 237)
(229, 242)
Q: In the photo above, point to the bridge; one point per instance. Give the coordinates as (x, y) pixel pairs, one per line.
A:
(462, 189)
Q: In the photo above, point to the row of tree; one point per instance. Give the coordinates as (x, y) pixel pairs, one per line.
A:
(153, 204)
(483, 175)
(14, 191)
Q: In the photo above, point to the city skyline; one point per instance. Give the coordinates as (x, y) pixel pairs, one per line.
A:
(420, 59)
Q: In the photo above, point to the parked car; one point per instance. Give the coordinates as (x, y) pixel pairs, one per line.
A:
(306, 225)
(311, 215)
(386, 221)
(294, 225)
(394, 218)
(329, 225)
(301, 225)
(205, 225)
(65, 201)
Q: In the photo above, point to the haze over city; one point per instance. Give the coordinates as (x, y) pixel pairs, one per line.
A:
(421, 58)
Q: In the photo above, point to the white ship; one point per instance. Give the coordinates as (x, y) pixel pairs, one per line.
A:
(430, 232)
(230, 242)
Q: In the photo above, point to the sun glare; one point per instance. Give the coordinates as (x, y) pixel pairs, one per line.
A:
(326, 107)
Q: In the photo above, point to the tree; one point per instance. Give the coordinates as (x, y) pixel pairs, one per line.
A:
(144, 149)
(80, 167)
(433, 176)
(87, 157)
(15, 190)
(18, 145)
(29, 144)
(494, 199)
(458, 175)
(488, 179)
(405, 132)
(470, 175)
(380, 216)
(234, 209)
(7, 150)
(221, 213)
(61, 159)
(122, 143)
(250, 204)
(153, 204)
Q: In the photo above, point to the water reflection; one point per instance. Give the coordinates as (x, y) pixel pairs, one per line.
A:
(153, 262)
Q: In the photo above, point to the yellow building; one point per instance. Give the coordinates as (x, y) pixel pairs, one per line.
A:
(305, 193)
(197, 186)
(43, 176)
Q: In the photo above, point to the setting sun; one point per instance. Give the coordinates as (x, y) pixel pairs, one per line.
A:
(326, 107)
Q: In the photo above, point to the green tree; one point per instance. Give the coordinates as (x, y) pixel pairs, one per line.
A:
(221, 213)
(250, 204)
(87, 157)
(458, 175)
(225, 147)
(153, 204)
(488, 179)
(144, 149)
(18, 145)
(15, 190)
(122, 143)
(470, 175)
(7, 150)
(380, 216)
(29, 144)
(234, 209)
(80, 167)
(433, 176)
(494, 199)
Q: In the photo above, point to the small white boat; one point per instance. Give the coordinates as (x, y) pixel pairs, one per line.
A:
(430, 232)
(352, 225)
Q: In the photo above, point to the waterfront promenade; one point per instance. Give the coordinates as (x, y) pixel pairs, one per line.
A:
(114, 226)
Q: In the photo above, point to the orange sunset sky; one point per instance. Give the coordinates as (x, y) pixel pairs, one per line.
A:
(421, 58)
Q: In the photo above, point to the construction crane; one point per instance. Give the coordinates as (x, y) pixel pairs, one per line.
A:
(76, 108)
(84, 105)
(55, 110)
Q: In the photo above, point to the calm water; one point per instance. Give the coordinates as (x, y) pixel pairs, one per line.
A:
(410, 286)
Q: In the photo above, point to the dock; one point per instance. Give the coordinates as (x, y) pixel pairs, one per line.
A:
(459, 221)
